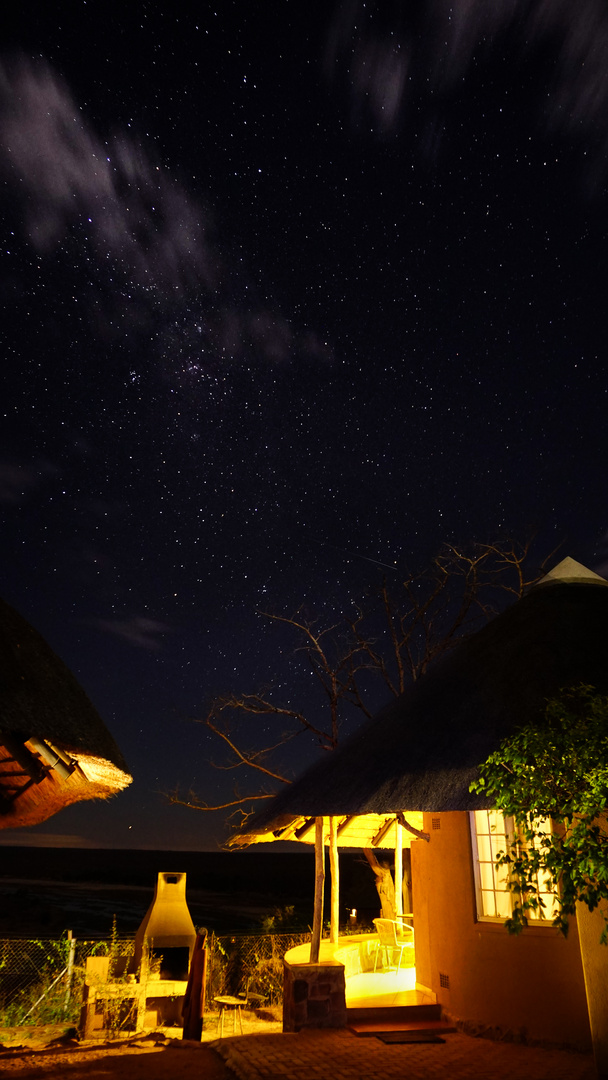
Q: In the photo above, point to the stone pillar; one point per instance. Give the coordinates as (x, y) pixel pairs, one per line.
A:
(314, 996)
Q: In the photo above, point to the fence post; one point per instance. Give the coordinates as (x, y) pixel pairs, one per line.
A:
(70, 970)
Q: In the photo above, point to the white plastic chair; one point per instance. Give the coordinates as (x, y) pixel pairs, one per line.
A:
(393, 935)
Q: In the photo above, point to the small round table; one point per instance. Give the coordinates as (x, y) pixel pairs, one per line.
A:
(227, 1001)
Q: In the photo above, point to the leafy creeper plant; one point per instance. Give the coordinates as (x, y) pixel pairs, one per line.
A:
(556, 769)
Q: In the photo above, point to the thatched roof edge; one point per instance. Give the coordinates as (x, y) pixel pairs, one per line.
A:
(39, 695)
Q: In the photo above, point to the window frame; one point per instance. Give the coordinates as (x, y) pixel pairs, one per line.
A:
(482, 876)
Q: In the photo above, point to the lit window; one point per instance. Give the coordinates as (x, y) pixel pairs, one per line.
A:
(492, 834)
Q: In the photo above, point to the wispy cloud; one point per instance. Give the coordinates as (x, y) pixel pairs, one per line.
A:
(128, 207)
(126, 210)
(139, 630)
(386, 54)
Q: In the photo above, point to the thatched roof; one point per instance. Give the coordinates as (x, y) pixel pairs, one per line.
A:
(46, 718)
(422, 751)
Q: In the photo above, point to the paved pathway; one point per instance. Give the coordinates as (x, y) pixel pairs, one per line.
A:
(341, 1055)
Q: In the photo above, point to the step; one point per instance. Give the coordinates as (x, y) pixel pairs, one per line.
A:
(436, 1027)
(393, 1013)
(399, 1018)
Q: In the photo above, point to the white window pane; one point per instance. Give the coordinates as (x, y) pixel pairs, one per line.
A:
(496, 821)
(550, 909)
(488, 904)
(486, 874)
(503, 904)
(502, 877)
(545, 882)
(499, 846)
(484, 849)
(481, 821)
(537, 913)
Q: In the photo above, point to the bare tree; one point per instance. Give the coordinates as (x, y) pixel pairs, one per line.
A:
(360, 658)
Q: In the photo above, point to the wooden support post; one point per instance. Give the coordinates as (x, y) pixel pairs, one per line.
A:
(317, 921)
(398, 869)
(334, 867)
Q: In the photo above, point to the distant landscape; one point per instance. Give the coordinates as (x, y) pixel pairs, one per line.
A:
(45, 891)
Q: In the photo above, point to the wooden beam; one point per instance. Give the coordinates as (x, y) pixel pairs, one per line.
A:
(289, 831)
(346, 823)
(379, 837)
(303, 829)
(317, 921)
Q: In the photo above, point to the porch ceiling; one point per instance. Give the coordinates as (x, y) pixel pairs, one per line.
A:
(354, 831)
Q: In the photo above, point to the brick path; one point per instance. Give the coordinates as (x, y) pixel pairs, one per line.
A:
(341, 1055)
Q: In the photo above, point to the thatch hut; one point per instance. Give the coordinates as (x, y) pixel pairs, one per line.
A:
(54, 748)
(422, 751)
(419, 755)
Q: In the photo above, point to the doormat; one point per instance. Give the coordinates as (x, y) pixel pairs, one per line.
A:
(393, 1037)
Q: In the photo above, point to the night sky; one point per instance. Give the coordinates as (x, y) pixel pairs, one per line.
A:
(291, 294)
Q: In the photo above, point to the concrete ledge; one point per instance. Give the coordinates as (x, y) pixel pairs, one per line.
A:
(361, 945)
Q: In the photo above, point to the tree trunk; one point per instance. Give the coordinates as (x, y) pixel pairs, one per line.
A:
(384, 884)
(317, 922)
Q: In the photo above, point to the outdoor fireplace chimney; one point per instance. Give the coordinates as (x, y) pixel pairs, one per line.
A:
(167, 932)
(159, 967)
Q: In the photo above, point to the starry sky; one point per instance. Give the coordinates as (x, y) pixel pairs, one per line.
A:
(291, 293)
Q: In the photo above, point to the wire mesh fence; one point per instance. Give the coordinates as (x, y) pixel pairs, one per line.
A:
(41, 980)
(249, 961)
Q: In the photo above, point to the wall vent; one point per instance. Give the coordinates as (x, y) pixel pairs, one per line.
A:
(444, 981)
(435, 823)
